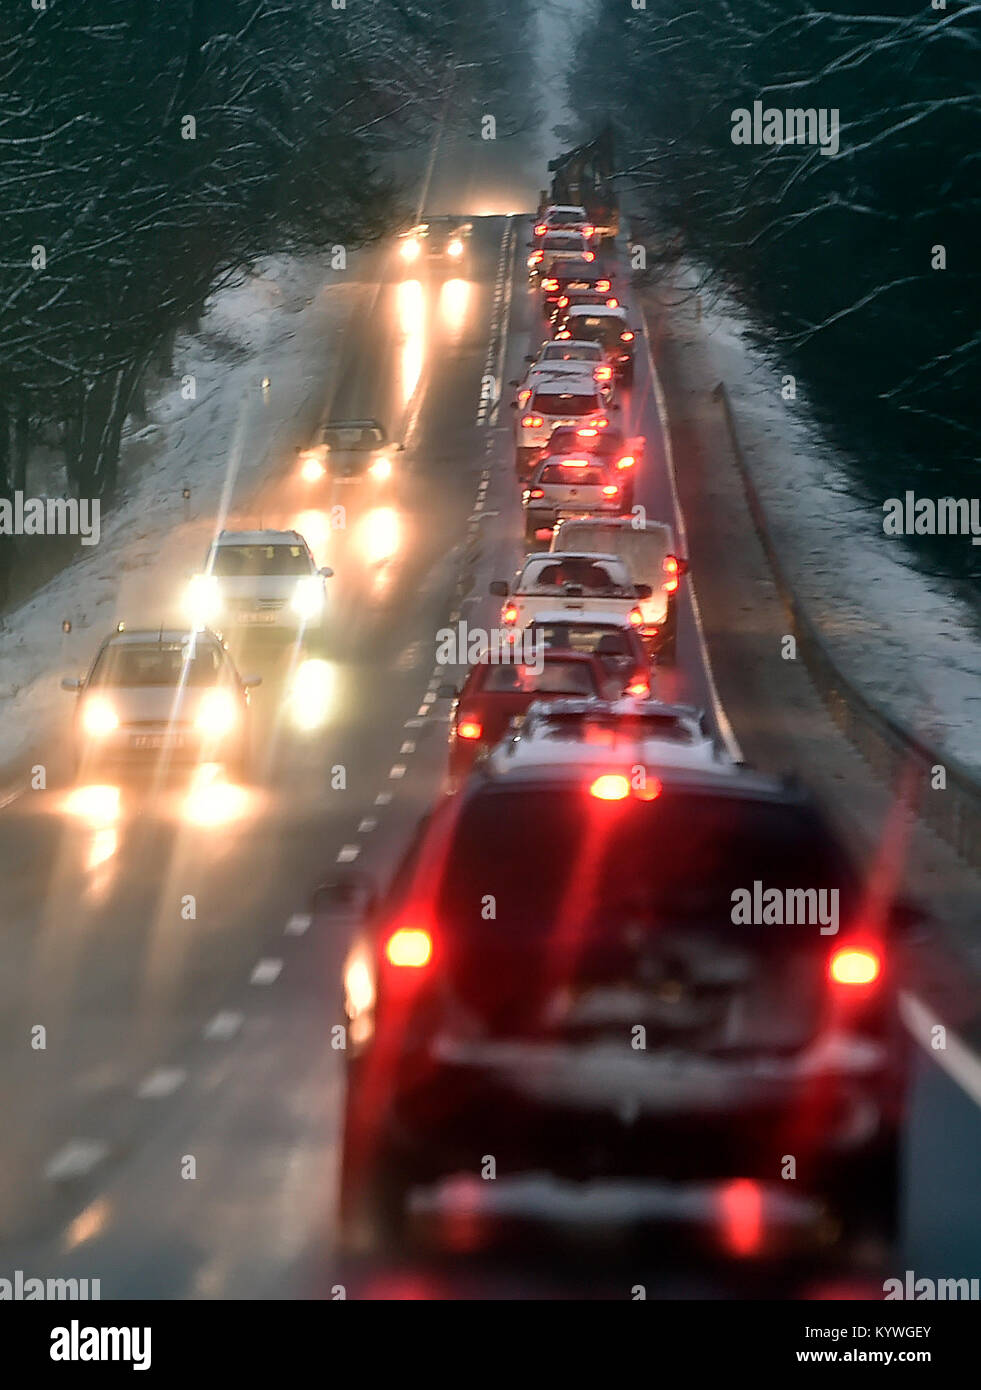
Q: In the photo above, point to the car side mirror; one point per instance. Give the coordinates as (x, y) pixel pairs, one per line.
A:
(643, 590)
(498, 587)
(326, 572)
(72, 683)
(250, 682)
(447, 691)
(348, 892)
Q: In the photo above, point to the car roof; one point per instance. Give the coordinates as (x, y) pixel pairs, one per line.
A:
(564, 343)
(161, 636)
(607, 310)
(559, 386)
(259, 538)
(553, 555)
(499, 773)
(564, 207)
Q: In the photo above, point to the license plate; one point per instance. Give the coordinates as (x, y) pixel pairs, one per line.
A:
(257, 617)
(157, 741)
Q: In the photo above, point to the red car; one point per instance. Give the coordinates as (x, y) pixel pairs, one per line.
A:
(492, 695)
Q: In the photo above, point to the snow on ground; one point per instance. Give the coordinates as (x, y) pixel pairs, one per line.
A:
(898, 634)
(284, 321)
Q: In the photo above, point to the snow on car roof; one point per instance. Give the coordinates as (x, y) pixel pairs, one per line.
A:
(259, 538)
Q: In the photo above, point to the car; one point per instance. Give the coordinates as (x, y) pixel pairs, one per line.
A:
(564, 217)
(494, 696)
(161, 696)
(571, 359)
(557, 976)
(555, 247)
(571, 582)
(569, 485)
(552, 403)
(609, 444)
(262, 580)
(440, 241)
(648, 550)
(564, 278)
(606, 324)
(614, 641)
(356, 452)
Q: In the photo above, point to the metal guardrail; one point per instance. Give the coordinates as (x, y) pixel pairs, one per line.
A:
(893, 753)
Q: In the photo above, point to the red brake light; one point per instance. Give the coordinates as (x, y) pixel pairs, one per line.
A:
(671, 569)
(627, 461)
(610, 490)
(575, 463)
(550, 284)
(639, 688)
(564, 334)
(602, 423)
(563, 300)
(587, 433)
(589, 255)
(636, 617)
(588, 230)
(541, 228)
(469, 728)
(535, 257)
(409, 946)
(613, 303)
(532, 422)
(603, 373)
(611, 786)
(626, 337)
(852, 965)
(510, 614)
(536, 492)
(602, 285)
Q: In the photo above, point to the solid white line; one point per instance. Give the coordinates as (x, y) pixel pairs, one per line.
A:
(956, 1059)
(79, 1156)
(7, 797)
(161, 1083)
(721, 718)
(223, 1026)
(266, 972)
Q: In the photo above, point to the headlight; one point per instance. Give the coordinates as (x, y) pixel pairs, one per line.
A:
(217, 713)
(203, 600)
(312, 469)
(410, 249)
(308, 597)
(455, 248)
(98, 717)
(381, 469)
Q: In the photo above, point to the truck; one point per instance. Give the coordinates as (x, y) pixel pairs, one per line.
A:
(584, 176)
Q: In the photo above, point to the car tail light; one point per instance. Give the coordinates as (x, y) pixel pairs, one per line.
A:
(601, 423)
(531, 422)
(536, 492)
(588, 230)
(409, 947)
(563, 300)
(536, 257)
(671, 569)
(575, 463)
(550, 284)
(510, 614)
(589, 255)
(627, 461)
(639, 688)
(469, 728)
(523, 396)
(611, 786)
(855, 965)
(610, 490)
(636, 617)
(603, 373)
(649, 791)
(627, 337)
(602, 286)
(564, 334)
(541, 228)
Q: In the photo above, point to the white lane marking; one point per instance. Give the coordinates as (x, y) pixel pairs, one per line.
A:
(397, 771)
(721, 718)
(223, 1026)
(490, 380)
(367, 825)
(416, 723)
(423, 709)
(408, 746)
(10, 796)
(266, 971)
(383, 798)
(957, 1059)
(298, 924)
(79, 1156)
(348, 854)
(161, 1083)
(429, 698)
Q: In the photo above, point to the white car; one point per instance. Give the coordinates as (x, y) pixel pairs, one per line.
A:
(563, 400)
(569, 585)
(557, 246)
(161, 696)
(626, 735)
(607, 325)
(567, 217)
(264, 580)
(569, 357)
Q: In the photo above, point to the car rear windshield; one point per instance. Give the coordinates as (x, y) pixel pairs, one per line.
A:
(676, 859)
(562, 403)
(167, 663)
(353, 437)
(572, 475)
(563, 241)
(593, 576)
(565, 219)
(643, 552)
(557, 678)
(603, 639)
(596, 328)
(560, 352)
(248, 561)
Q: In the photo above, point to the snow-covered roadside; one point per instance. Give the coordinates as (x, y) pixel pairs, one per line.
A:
(284, 322)
(900, 636)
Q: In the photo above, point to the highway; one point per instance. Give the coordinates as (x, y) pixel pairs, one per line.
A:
(179, 1043)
